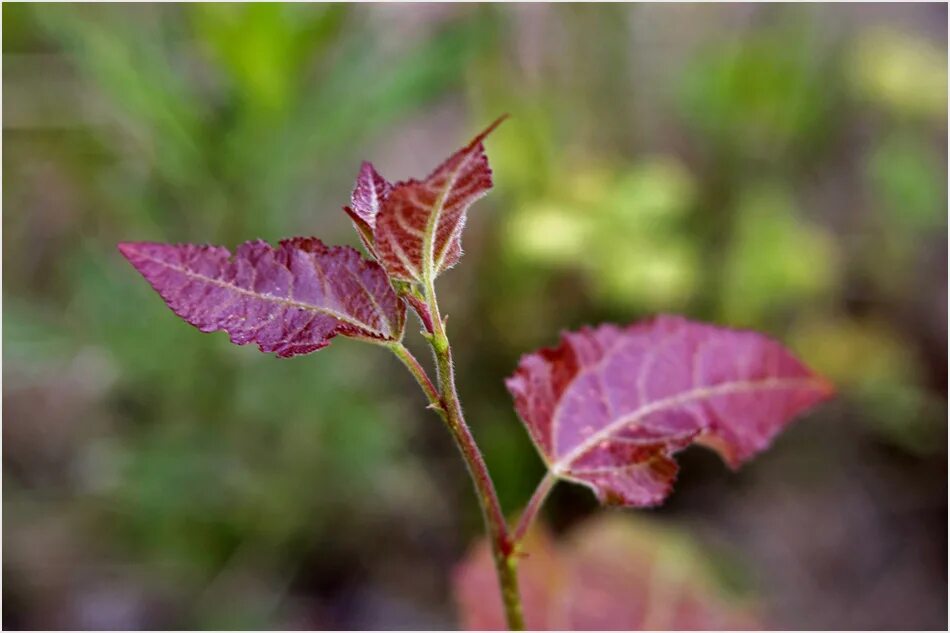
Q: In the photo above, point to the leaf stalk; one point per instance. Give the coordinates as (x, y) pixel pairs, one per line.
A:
(530, 512)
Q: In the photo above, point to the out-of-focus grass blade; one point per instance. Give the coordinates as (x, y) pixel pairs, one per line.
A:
(360, 94)
(126, 60)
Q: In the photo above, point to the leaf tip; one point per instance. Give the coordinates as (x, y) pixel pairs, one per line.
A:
(128, 249)
(488, 130)
(138, 252)
(367, 169)
(826, 388)
(494, 124)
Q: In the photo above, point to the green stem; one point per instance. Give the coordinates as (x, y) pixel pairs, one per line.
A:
(418, 373)
(502, 549)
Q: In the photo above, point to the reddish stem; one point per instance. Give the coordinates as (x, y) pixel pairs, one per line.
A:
(502, 549)
(534, 505)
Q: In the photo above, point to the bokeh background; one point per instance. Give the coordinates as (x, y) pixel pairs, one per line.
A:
(776, 167)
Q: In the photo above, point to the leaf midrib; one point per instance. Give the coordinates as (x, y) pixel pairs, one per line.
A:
(562, 465)
(339, 316)
(428, 263)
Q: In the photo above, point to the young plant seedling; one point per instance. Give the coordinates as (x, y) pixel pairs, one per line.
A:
(607, 408)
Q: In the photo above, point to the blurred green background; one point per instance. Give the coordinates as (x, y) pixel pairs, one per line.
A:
(777, 167)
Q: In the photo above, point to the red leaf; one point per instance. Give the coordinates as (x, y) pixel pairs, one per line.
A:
(367, 196)
(422, 309)
(610, 405)
(610, 573)
(540, 576)
(419, 224)
(289, 300)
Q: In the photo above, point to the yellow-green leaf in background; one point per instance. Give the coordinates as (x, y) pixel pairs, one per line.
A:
(778, 259)
(874, 366)
(900, 72)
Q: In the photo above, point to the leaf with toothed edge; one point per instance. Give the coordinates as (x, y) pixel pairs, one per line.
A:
(289, 300)
(610, 406)
(418, 229)
(371, 189)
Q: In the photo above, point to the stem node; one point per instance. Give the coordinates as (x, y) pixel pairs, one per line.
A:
(445, 401)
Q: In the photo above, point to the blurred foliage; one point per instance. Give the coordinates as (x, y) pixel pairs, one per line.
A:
(624, 230)
(900, 72)
(907, 184)
(774, 167)
(761, 96)
(874, 365)
(778, 261)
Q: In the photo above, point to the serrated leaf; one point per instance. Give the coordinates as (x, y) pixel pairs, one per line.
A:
(419, 225)
(371, 189)
(289, 300)
(610, 573)
(610, 406)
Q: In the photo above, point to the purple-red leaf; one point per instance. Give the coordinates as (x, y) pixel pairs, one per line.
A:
(610, 405)
(612, 573)
(419, 226)
(290, 300)
(370, 190)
